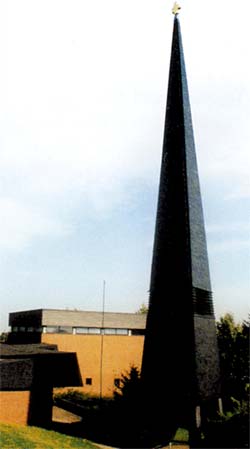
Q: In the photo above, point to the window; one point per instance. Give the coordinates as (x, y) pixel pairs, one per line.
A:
(88, 381)
(22, 329)
(112, 331)
(94, 330)
(117, 382)
(14, 329)
(108, 331)
(30, 329)
(122, 331)
(65, 330)
(81, 330)
(52, 329)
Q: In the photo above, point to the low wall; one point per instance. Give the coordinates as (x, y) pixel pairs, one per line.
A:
(14, 407)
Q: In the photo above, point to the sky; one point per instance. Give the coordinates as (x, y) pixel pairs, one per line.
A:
(83, 88)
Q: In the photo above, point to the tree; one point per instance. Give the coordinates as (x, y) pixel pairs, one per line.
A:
(143, 310)
(3, 337)
(233, 341)
(128, 389)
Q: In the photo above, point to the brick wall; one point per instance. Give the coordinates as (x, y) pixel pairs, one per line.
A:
(119, 353)
(14, 406)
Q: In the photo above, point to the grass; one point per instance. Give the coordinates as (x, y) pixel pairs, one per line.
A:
(22, 437)
(182, 435)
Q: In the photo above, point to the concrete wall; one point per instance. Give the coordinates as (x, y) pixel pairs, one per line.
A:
(14, 407)
(119, 354)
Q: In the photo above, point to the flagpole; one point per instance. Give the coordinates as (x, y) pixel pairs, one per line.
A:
(102, 336)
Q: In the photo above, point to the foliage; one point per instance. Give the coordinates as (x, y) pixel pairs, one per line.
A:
(128, 406)
(71, 394)
(230, 430)
(3, 337)
(82, 404)
(128, 392)
(233, 341)
(23, 437)
(143, 310)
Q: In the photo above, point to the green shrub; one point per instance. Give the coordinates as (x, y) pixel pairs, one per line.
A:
(72, 395)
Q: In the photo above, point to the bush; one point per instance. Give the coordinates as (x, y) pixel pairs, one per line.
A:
(129, 389)
(71, 395)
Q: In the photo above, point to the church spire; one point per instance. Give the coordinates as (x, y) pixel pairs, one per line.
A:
(180, 351)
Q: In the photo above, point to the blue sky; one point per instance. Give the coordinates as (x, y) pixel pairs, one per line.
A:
(82, 103)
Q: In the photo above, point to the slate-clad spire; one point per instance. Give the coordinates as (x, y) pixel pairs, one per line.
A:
(180, 359)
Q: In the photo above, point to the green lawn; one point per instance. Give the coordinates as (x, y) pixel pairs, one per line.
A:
(181, 435)
(23, 437)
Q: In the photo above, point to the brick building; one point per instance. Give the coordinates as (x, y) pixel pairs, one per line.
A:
(106, 344)
(28, 374)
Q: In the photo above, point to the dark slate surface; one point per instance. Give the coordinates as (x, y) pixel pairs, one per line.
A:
(207, 357)
(24, 338)
(24, 366)
(16, 374)
(180, 349)
(198, 245)
(7, 350)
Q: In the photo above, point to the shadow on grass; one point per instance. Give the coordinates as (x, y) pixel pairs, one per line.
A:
(109, 424)
(121, 424)
(116, 430)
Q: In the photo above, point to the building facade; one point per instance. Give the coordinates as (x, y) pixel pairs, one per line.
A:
(106, 345)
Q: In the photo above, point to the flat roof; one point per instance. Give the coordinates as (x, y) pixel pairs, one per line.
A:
(78, 318)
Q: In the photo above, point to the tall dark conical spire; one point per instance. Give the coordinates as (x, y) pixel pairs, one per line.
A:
(180, 359)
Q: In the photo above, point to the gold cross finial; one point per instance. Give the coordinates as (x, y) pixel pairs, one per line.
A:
(176, 9)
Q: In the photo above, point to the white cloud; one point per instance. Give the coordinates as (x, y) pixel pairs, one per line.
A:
(225, 228)
(82, 108)
(228, 237)
(233, 299)
(83, 90)
(82, 113)
(230, 245)
(241, 191)
(20, 224)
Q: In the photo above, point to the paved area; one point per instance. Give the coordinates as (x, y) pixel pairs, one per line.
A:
(62, 416)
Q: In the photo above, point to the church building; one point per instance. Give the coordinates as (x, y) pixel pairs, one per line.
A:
(106, 344)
